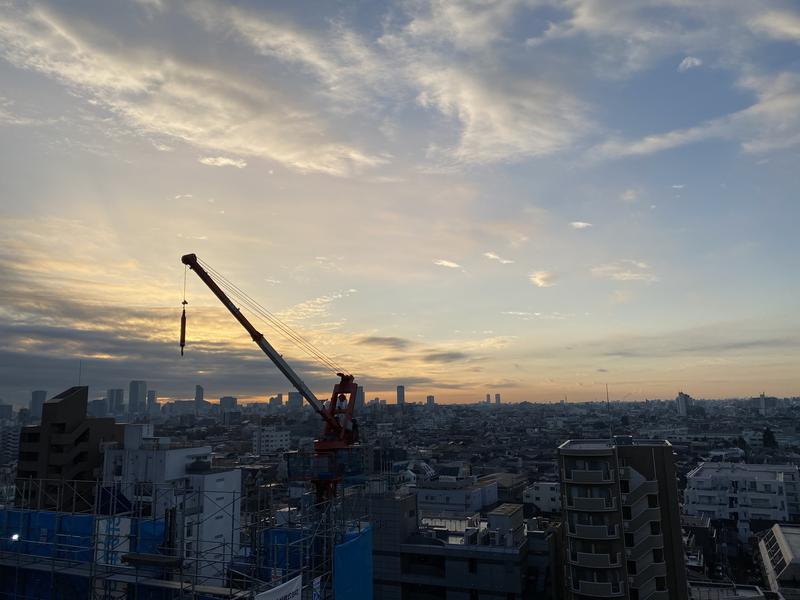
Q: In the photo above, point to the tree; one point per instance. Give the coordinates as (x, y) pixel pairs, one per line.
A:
(768, 439)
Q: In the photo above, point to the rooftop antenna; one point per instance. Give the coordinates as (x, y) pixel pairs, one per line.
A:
(610, 425)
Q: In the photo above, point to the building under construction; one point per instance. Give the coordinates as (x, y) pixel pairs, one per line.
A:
(179, 540)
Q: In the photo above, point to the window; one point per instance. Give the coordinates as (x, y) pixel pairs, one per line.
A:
(652, 501)
(626, 513)
(658, 555)
(655, 528)
(631, 567)
(661, 584)
(189, 529)
(624, 486)
(629, 540)
(473, 565)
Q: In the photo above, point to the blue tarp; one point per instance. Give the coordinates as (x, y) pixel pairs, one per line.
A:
(352, 566)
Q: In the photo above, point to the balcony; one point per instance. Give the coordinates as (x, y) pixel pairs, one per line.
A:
(644, 489)
(646, 545)
(591, 504)
(594, 476)
(642, 518)
(599, 589)
(594, 532)
(596, 561)
(653, 570)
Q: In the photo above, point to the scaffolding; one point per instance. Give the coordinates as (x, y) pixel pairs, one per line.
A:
(146, 541)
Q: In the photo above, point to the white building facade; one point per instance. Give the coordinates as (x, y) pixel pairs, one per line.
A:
(269, 440)
(743, 492)
(157, 477)
(545, 495)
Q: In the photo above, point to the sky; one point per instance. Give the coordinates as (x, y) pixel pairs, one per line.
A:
(528, 197)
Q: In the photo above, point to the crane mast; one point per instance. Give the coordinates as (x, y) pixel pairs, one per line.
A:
(336, 434)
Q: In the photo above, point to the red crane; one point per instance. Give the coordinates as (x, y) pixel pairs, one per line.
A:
(336, 452)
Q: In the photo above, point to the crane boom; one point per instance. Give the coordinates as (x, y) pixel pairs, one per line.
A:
(191, 261)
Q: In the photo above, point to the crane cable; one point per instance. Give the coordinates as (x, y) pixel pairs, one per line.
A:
(274, 322)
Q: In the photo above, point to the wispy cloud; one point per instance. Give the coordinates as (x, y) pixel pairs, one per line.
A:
(395, 343)
(493, 256)
(781, 25)
(223, 161)
(543, 279)
(448, 264)
(630, 195)
(690, 62)
(625, 270)
(580, 225)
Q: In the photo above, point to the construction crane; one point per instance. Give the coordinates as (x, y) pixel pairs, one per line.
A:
(337, 452)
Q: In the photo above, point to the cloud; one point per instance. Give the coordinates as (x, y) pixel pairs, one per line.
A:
(630, 195)
(771, 123)
(493, 256)
(690, 62)
(395, 343)
(154, 90)
(780, 25)
(580, 225)
(543, 279)
(678, 187)
(625, 270)
(449, 264)
(445, 357)
(223, 161)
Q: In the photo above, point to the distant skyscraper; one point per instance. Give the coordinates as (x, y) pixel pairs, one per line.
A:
(430, 401)
(137, 396)
(360, 398)
(294, 401)
(497, 398)
(276, 401)
(198, 398)
(116, 401)
(488, 398)
(38, 399)
(620, 510)
(152, 402)
(682, 403)
(227, 402)
(401, 395)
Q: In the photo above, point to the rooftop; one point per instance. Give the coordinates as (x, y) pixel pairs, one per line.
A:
(728, 469)
(601, 444)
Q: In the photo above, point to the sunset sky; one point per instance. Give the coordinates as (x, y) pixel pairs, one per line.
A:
(533, 198)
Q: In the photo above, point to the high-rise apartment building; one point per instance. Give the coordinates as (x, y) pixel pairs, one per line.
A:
(294, 401)
(488, 398)
(198, 399)
(228, 403)
(682, 404)
(137, 397)
(360, 398)
(38, 398)
(430, 401)
(268, 440)
(152, 402)
(497, 398)
(116, 401)
(401, 395)
(622, 523)
(66, 447)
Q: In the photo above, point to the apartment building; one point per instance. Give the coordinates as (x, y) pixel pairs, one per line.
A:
(622, 524)
(779, 559)
(544, 495)
(269, 440)
(155, 476)
(66, 447)
(743, 493)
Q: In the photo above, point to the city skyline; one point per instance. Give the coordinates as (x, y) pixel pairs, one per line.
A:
(527, 198)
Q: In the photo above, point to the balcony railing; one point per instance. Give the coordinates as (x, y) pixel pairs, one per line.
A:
(594, 532)
(593, 476)
(645, 488)
(653, 570)
(598, 589)
(596, 561)
(591, 504)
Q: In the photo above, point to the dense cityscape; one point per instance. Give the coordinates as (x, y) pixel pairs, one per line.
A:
(678, 498)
